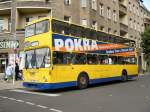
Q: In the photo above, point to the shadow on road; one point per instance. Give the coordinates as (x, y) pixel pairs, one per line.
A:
(70, 89)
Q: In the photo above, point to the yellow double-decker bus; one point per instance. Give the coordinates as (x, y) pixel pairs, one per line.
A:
(61, 54)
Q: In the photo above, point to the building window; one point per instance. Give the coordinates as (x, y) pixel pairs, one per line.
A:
(114, 16)
(102, 28)
(134, 9)
(28, 19)
(109, 30)
(101, 9)
(94, 4)
(67, 18)
(138, 26)
(115, 32)
(67, 2)
(108, 13)
(137, 10)
(1, 24)
(9, 24)
(135, 25)
(130, 6)
(141, 13)
(131, 23)
(84, 22)
(83, 3)
(131, 37)
(94, 25)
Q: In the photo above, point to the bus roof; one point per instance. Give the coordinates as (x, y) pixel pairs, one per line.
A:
(37, 20)
(121, 38)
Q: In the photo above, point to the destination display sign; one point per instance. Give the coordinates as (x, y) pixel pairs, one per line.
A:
(115, 51)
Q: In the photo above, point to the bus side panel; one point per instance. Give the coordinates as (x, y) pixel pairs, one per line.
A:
(68, 73)
(131, 69)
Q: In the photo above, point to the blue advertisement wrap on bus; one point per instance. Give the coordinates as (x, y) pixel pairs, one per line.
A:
(70, 44)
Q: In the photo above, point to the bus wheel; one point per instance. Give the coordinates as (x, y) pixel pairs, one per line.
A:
(124, 76)
(82, 81)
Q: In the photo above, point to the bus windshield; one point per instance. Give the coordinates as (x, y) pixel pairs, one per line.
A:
(38, 58)
(37, 28)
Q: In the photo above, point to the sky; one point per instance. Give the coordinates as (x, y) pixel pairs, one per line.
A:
(147, 4)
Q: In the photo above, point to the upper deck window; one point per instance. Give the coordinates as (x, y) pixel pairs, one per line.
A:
(37, 28)
(30, 30)
(42, 27)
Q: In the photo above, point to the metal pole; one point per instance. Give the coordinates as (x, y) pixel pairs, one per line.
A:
(14, 36)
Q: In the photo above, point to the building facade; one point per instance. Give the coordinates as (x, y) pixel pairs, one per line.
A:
(126, 18)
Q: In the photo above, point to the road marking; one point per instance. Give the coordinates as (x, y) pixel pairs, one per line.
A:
(20, 101)
(110, 95)
(41, 106)
(11, 99)
(4, 97)
(30, 103)
(35, 93)
(56, 110)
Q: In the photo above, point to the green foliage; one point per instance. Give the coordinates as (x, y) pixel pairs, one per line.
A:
(146, 41)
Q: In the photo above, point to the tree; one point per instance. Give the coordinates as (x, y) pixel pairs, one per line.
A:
(146, 41)
(146, 45)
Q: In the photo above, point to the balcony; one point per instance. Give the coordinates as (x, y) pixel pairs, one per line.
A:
(147, 20)
(33, 6)
(123, 28)
(20, 33)
(5, 7)
(5, 35)
(122, 9)
(5, 4)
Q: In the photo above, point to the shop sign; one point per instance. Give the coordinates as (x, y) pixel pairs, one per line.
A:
(9, 44)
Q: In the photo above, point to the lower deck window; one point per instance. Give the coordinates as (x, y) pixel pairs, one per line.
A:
(89, 58)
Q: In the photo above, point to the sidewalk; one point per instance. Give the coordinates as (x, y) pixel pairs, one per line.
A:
(9, 85)
(143, 74)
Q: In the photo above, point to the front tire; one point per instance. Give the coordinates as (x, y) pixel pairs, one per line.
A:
(124, 76)
(82, 81)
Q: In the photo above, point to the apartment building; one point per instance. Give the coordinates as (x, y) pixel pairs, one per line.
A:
(126, 18)
(14, 15)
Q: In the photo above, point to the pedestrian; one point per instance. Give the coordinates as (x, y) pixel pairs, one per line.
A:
(8, 72)
(17, 72)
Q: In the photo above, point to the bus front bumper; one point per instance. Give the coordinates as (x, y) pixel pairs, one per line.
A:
(48, 86)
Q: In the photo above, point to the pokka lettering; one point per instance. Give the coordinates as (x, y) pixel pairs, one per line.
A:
(75, 44)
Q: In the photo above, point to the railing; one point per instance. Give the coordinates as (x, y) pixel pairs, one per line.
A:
(5, 4)
(5, 0)
(123, 27)
(122, 8)
(32, 4)
(6, 33)
(147, 20)
(20, 32)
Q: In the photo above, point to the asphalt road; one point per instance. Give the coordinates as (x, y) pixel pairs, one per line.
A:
(131, 96)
